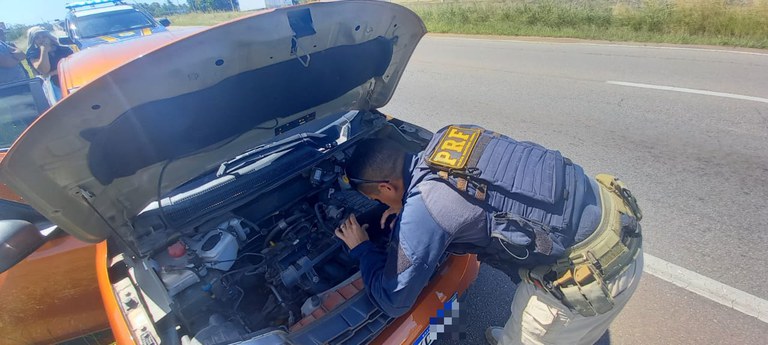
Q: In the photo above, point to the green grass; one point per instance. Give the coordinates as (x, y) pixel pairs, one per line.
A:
(712, 22)
(701, 22)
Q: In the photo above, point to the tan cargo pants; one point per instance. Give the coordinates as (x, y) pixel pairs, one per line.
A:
(539, 318)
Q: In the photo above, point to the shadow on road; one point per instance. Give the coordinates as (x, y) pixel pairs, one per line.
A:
(487, 303)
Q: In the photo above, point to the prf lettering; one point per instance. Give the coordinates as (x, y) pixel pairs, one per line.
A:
(451, 147)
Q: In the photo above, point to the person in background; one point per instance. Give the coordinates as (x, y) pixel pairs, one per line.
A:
(10, 61)
(44, 54)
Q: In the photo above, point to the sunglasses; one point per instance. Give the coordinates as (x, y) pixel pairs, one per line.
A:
(358, 181)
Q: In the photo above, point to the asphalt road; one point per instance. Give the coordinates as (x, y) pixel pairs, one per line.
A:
(689, 134)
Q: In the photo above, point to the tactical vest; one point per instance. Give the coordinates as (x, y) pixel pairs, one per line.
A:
(525, 188)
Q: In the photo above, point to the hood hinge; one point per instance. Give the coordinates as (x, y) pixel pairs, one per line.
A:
(85, 194)
(369, 92)
(301, 54)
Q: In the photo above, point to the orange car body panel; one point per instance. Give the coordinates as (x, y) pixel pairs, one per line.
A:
(455, 276)
(94, 62)
(51, 295)
(5, 192)
(114, 313)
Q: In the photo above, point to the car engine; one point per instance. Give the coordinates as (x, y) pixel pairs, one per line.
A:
(257, 268)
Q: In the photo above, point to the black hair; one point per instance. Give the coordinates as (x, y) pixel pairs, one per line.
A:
(375, 159)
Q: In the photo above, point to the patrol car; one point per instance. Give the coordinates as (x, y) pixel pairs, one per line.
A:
(94, 22)
(211, 180)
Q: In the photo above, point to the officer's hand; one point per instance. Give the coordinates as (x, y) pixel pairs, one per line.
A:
(386, 215)
(351, 233)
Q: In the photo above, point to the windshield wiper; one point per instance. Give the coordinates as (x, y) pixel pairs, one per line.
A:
(319, 141)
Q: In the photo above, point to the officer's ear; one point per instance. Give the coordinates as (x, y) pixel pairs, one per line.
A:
(393, 187)
(386, 193)
(384, 187)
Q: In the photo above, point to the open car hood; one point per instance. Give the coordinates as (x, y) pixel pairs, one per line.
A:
(92, 162)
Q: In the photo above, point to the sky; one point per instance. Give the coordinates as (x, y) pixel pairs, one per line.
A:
(36, 11)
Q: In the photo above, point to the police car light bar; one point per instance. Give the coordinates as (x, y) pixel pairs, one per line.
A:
(73, 5)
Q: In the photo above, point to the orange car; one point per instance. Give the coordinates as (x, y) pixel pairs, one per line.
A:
(212, 166)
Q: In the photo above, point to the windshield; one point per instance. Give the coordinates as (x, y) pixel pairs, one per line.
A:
(110, 22)
(17, 111)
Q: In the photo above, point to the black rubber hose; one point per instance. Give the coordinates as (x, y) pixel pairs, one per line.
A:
(320, 220)
(276, 228)
(295, 227)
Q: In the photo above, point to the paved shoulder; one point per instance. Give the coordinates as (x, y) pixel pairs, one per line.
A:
(662, 313)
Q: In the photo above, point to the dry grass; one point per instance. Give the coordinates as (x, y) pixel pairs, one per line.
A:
(742, 23)
(714, 22)
(201, 18)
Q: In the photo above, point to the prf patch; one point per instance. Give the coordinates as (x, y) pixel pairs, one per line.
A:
(454, 147)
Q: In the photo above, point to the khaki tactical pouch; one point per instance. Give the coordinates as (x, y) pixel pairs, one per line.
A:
(582, 277)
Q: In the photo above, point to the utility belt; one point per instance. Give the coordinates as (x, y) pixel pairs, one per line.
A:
(582, 278)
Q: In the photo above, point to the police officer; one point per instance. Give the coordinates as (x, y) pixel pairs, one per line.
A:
(572, 243)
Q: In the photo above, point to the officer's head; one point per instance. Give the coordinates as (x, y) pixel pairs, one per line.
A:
(376, 170)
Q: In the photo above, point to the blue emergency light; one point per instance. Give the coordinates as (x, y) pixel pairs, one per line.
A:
(73, 5)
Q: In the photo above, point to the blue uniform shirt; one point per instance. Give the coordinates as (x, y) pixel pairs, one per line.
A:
(395, 277)
(434, 216)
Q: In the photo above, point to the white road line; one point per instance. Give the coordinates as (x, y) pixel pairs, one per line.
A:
(707, 287)
(614, 45)
(694, 91)
(676, 48)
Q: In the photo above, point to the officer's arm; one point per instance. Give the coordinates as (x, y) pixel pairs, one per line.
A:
(395, 278)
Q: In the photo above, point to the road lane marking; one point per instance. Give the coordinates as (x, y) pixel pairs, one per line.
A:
(694, 91)
(608, 45)
(707, 287)
(677, 48)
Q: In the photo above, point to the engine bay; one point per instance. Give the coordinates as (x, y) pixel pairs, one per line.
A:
(250, 250)
(248, 270)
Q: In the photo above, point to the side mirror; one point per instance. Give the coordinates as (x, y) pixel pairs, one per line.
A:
(66, 41)
(164, 22)
(18, 239)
